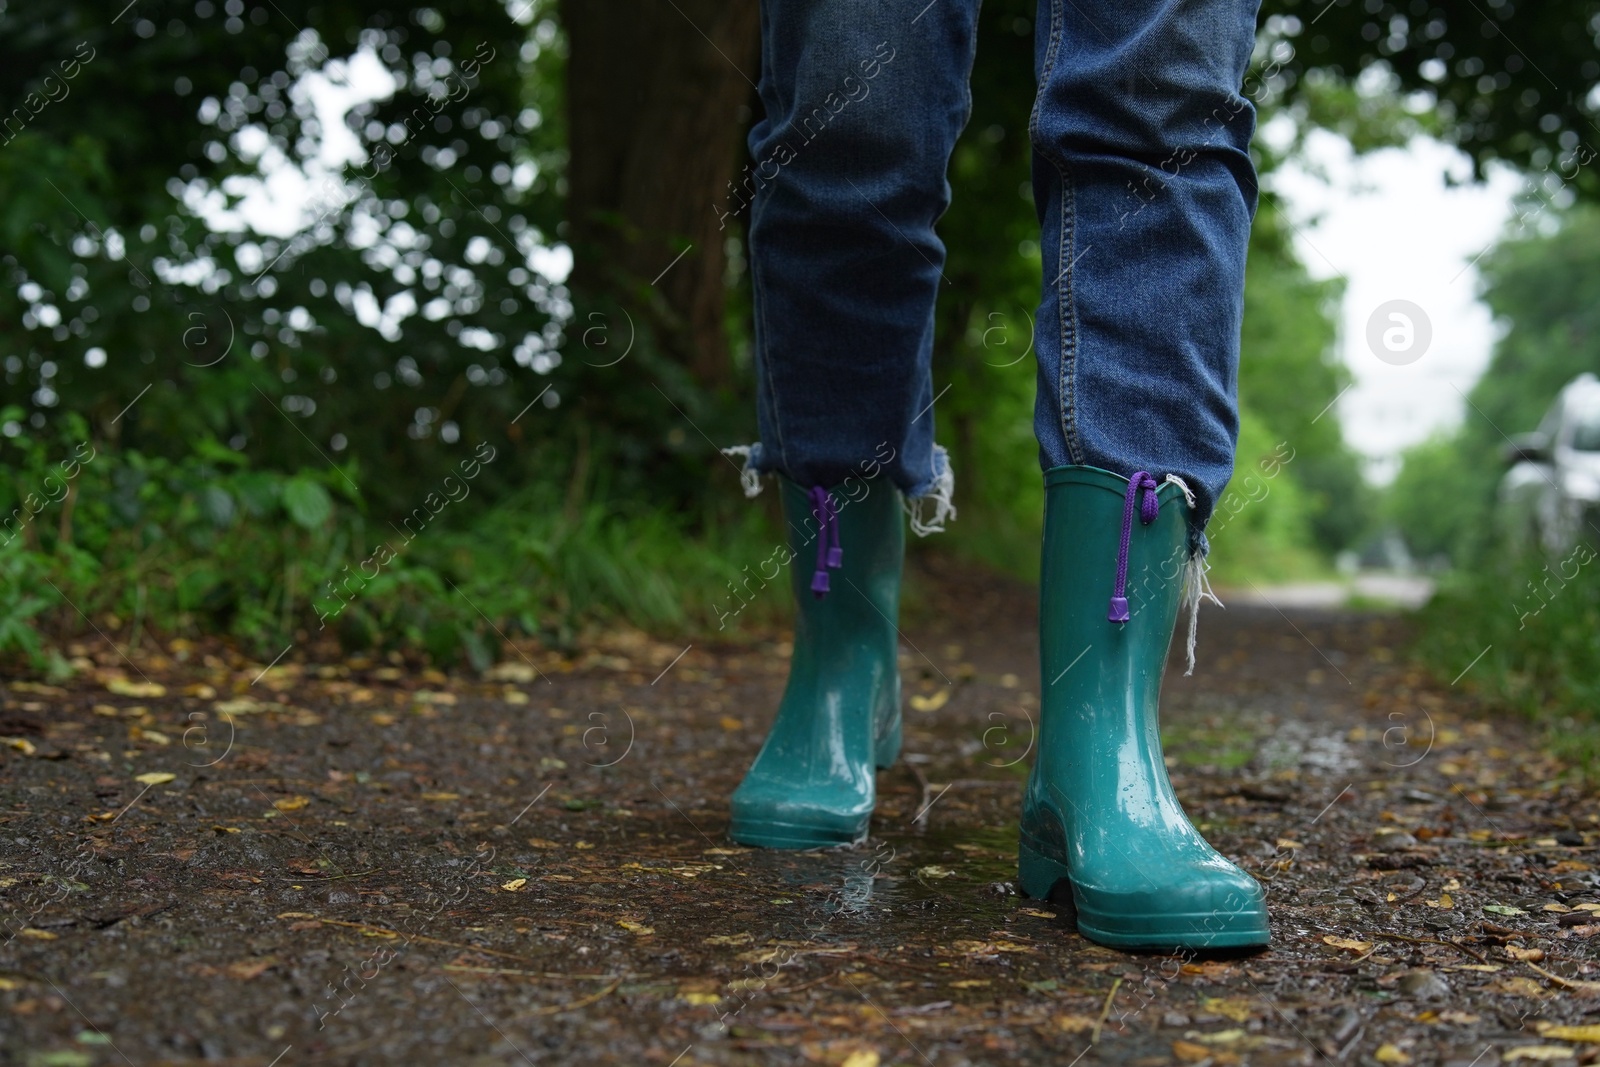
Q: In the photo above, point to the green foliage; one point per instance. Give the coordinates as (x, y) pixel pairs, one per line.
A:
(1509, 81)
(202, 546)
(1533, 622)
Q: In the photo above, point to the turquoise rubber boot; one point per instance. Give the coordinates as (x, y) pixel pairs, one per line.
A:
(813, 784)
(1099, 815)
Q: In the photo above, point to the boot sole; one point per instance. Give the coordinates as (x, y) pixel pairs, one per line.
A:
(1043, 878)
(764, 833)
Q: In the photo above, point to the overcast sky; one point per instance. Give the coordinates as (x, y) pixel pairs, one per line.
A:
(1390, 225)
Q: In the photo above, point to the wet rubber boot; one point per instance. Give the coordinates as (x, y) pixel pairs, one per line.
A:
(813, 783)
(1099, 816)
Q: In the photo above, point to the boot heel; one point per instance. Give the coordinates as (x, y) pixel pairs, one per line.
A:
(1039, 875)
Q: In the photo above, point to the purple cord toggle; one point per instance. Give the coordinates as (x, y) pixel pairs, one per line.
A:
(828, 555)
(1149, 508)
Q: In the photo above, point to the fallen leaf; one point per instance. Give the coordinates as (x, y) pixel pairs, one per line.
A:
(1189, 1052)
(514, 885)
(860, 1058)
(700, 1000)
(1587, 1034)
(22, 745)
(294, 803)
(1390, 1054)
(1346, 943)
(636, 928)
(730, 724)
(1538, 1052)
(970, 983)
(934, 871)
(729, 939)
(931, 703)
(1503, 909)
(1076, 1024)
(1220, 1037)
(248, 969)
(1235, 1008)
(441, 796)
(1519, 986)
(124, 688)
(155, 778)
(33, 934)
(1533, 955)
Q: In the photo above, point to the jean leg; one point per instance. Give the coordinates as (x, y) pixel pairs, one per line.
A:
(1146, 192)
(863, 106)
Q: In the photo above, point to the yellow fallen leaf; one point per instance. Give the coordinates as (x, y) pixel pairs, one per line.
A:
(1519, 986)
(219, 828)
(1235, 1008)
(729, 939)
(934, 871)
(382, 718)
(970, 983)
(636, 928)
(931, 703)
(8, 984)
(1587, 1034)
(36, 935)
(441, 796)
(514, 885)
(22, 745)
(701, 1000)
(1189, 1052)
(1037, 914)
(729, 723)
(1284, 842)
(1390, 1054)
(1221, 1037)
(860, 1058)
(124, 688)
(294, 803)
(1517, 952)
(1346, 943)
(155, 778)
(1538, 1052)
(1076, 1024)
(295, 915)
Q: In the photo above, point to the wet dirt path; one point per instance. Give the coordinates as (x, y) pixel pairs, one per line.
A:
(357, 863)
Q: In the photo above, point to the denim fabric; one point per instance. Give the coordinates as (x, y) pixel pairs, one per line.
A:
(1145, 193)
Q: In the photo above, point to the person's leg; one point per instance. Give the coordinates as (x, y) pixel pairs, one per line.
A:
(863, 103)
(1146, 192)
(863, 106)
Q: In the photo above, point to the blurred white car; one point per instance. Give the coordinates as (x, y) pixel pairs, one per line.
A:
(1551, 494)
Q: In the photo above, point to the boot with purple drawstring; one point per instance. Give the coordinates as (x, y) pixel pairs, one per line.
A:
(1101, 826)
(813, 783)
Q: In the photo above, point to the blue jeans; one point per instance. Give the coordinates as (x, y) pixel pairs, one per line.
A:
(1145, 192)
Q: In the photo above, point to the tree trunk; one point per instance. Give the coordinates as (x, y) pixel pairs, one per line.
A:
(654, 96)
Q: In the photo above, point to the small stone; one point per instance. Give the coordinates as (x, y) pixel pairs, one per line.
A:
(1175, 1019)
(1424, 985)
(1394, 842)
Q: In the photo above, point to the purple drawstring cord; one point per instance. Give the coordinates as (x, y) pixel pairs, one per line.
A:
(1149, 508)
(828, 555)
